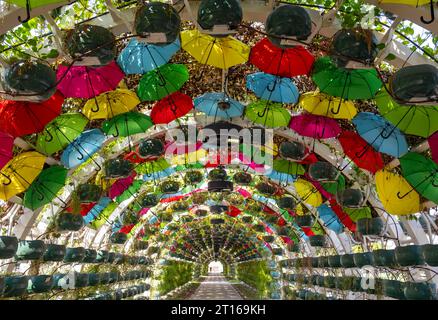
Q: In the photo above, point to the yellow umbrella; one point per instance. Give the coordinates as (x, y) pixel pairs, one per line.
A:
(110, 104)
(18, 174)
(308, 193)
(325, 105)
(217, 52)
(389, 186)
(189, 158)
(413, 3)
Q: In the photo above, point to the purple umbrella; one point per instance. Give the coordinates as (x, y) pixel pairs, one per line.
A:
(6, 146)
(313, 126)
(433, 144)
(120, 186)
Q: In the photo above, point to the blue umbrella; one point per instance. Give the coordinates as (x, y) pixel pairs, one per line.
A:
(219, 104)
(139, 57)
(159, 174)
(82, 148)
(330, 219)
(380, 134)
(281, 177)
(273, 88)
(94, 213)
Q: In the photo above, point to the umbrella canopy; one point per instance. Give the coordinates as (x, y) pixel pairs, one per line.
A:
(110, 104)
(88, 82)
(324, 105)
(350, 84)
(308, 193)
(413, 3)
(273, 88)
(6, 148)
(139, 57)
(82, 148)
(290, 62)
(221, 53)
(60, 132)
(289, 167)
(433, 144)
(19, 118)
(329, 218)
(170, 108)
(380, 134)
(218, 104)
(45, 188)
(159, 83)
(34, 3)
(19, 173)
(317, 127)
(422, 174)
(390, 187)
(268, 114)
(127, 124)
(120, 186)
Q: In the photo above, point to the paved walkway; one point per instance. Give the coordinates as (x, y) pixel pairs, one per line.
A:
(215, 287)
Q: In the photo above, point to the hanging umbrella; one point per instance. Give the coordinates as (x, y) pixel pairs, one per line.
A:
(218, 104)
(350, 84)
(268, 114)
(19, 173)
(6, 148)
(330, 219)
(317, 127)
(223, 53)
(139, 57)
(422, 174)
(120, 186)
(289, 167)
(33, 3)
(127, 124)
(411, 119)
(110, 104)
(281, 177)
(188, 158)
(390, 187)
(171, 108)
(82, 148)
(273, 88)
(380, 134)
(324, 105)
(290, 62)
(60, 132)
(308, 193)
(19, 118)
(45, 188)
(433, 144)
(88, 82)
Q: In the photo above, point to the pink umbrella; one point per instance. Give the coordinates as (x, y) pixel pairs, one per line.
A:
(433, 144)
(88, 82)
(317, 127)
(120, 186)
(6, 146)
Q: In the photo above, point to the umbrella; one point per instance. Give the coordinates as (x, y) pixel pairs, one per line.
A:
(273, 88)
(159, 83)
(82, 148)
(34, 3)
(289, 167)
(139, 57)
(170, 108)
(317, 127)
(120, 186)
(60, 132)
(127, 124)
(308, 193)
(88, 82)
(188, 158)
(290, 62)
(110, 104)
(349, 84)
(281, 178)
(219, 104)
(390, 187)
(324, 105)
(6, 148)
(19, 118)
(268, 114)
(380, 134)
(358, 213)
(19, 173)
(45, 188)
(411, 119)
(433, 144)
(329, 218)
(223, 53)
(422, 174)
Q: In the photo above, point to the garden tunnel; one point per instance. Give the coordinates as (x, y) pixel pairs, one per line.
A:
(296, 143)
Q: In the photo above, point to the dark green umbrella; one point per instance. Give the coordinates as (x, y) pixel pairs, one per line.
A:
(127, 124)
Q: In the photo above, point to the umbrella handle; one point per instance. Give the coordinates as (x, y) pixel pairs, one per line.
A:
(273, 87)
(400, 196)
(263, 113)
(8, 179)
(28, 13)
(385, 136)
(362, 153)
(96, 108)
(338, 109)
(49, 136)
(162, 81)
(81, 155)
(40, 194)
(432, 15)
(117, 131)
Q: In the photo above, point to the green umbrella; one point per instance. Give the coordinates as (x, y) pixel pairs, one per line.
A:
(34, 3)
(350, 84)
(422, 174)
(268, 114)
(127, 124)
(289, 167)
(411, 119)
(60, 132)
(358, 213)
(161, 82)
(45, 187)
(334, 187)
(148, 168)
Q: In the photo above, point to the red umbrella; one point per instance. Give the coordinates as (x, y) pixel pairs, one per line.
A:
(19, 118)
(360, 152)
(6, 148)
(233, 211)
(433, 143)
(343, 217)
(134, 157)
(84, 208)
(317, 127)
(288, 63)
(171, 107)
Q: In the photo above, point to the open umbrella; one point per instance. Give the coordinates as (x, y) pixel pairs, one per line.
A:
(329, 218)
(19, 173)
(120, 186)
(433, 144)
(268, 114)
(273, 88)
(60, 132)
(317, 127)
(139, 57)
(290, 62)
(19, 118)
(289, 167)
(6, 148)
(88, 82)
(218, 104)
(171, 108)
(127, 124)
(308, 193)
(281, 177)
(380, 134)
(45, 188)
(320, 104)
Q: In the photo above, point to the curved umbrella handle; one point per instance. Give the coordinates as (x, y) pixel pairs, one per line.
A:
(362, 153)
(8, 179)
(81, 155)
(49, 136)
(40, 194)
(173, 107)
(117, 131)
(28, 13)
(386, 136)
(400, 196)
(162, 81)
(273, 87)
(338, 109)
(263, 113)
(432, 15)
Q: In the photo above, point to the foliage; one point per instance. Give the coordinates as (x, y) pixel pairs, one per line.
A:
(257, 275)
(174, 275)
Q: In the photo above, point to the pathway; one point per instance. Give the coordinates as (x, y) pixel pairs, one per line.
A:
(215, 287)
